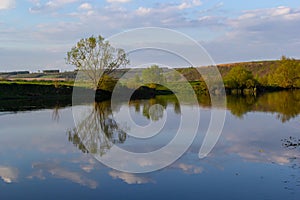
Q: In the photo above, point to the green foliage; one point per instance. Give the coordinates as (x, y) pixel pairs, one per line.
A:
(95, 56)
(239, 78)
(38, 82)
(153, 76)
(107, 83)
(286, 75)
(133, 83)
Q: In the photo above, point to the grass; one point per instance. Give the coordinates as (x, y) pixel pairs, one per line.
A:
(38, 82)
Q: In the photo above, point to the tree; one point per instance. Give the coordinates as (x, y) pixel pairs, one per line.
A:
(239, 78)
(96, 57)
(153, 75)
(287, 74)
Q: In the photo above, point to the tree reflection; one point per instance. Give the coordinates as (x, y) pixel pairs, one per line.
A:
(55, 113)
(286, 104)
(98, 131)
(240, 105)
(153, 109)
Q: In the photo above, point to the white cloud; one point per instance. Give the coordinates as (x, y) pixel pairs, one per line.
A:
(189, 4)
(85, 6)
(7, 4)
(282, 10)
(143, 11)
(259, 34)
(254, 34)
(184, 5)
(50, 5)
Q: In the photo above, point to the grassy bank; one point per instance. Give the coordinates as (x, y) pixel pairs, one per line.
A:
(47, 90)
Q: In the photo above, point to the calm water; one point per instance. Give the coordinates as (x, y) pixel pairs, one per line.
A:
(257, 156)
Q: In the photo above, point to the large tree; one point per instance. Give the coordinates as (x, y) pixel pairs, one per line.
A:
(96, 57)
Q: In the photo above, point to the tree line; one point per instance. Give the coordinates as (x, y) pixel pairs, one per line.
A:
(283, 74)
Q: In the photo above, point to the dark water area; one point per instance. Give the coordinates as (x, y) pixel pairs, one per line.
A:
(45, 154)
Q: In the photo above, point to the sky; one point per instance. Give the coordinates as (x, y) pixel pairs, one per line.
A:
(36, 34)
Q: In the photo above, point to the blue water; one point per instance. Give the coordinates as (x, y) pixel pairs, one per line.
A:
(37, 161)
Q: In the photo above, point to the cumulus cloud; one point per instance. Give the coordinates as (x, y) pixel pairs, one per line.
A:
(267, 25)
(7, 4)
(253, 34)
(258, 34)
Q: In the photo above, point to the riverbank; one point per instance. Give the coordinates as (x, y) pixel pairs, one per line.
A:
(63, 91)
(54, 90)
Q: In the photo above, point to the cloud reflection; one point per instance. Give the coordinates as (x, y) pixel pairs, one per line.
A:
(9, 174)
(130, 178)
(190, 169)
(60, 172)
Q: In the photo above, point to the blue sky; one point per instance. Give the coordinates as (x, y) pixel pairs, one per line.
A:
(36, 34)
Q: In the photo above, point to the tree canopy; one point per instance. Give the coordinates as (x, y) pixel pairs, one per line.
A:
(96, 57)
(153, 75)
(239, 78)
(287, 74)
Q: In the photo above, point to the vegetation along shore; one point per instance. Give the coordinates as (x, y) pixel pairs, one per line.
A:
(247, 78)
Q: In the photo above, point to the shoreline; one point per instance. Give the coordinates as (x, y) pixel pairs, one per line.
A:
(54, 91)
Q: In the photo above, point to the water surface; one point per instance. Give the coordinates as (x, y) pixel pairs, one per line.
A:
(43, 155)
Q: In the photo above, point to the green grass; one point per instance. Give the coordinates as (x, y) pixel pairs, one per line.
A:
(38, 82)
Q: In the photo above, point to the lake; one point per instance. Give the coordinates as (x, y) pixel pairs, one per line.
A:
(44, 154)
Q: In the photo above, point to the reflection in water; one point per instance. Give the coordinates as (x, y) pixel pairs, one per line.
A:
(62, 173)
(153, 109)
(292, 182)
(240, 105)
(243, 162)
(55, 113)
(98, 131)
(189, 168)
(9, 174)
(130, 178)
(286, 104)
